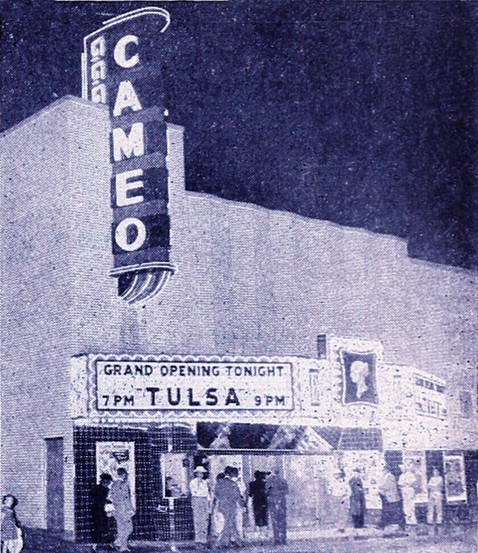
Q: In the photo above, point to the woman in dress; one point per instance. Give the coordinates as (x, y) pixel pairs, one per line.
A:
(257, 491)
(339, 499)
(357, 500)
(120, 496)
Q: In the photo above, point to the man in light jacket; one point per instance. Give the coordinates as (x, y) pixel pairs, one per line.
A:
(200, 502)
(392, 511)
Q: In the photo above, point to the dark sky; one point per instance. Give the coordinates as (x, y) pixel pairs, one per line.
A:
(363, 113)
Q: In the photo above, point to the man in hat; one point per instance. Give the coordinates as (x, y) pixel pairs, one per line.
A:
(200, 501)
(228, 499)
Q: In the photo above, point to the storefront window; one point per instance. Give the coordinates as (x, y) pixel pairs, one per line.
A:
(416, 462)
(314, 384)
(465, 404)
(455, 486)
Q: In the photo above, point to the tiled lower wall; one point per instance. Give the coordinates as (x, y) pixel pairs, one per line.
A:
(149, 522)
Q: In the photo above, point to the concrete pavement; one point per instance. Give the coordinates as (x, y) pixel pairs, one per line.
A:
(453, 540)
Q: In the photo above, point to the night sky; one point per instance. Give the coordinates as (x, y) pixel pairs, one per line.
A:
(362, 113)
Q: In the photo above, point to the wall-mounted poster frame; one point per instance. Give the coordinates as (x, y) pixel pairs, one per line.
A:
(416, 462)
(110, 456)
(359, 377)
(455, 479)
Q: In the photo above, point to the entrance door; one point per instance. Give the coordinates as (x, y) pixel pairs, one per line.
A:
(54, 484)
(307, 477)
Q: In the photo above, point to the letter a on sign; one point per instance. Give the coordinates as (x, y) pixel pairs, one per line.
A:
(126, 98)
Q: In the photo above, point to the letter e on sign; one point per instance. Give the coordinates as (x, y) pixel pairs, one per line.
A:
(123, 186)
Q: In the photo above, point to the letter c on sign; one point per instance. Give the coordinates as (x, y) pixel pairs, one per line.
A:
(121, 234)
(120, 52)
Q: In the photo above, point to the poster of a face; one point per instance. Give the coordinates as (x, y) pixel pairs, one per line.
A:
(455, 484)
(415, 462)
(359, 378)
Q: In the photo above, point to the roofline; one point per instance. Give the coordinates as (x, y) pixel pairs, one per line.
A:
(50, 107)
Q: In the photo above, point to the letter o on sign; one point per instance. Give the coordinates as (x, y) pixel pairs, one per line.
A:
(121, 234)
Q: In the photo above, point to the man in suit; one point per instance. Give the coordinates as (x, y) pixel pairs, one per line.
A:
(228, 500)
(277, 490)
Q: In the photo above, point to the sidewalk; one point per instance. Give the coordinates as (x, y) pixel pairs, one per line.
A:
(455, 540)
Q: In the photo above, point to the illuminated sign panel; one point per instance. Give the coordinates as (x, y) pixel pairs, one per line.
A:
(156, 384)
(121, 65)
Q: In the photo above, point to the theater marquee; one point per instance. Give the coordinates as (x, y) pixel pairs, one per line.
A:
(155, 383)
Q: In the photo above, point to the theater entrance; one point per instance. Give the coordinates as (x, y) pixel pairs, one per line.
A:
(307, 476)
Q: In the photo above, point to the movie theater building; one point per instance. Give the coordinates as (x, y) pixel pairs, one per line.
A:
(180, 329)
(238, 360)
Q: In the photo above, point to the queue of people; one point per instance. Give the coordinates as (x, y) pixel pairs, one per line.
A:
(219, 513)
(398, 498)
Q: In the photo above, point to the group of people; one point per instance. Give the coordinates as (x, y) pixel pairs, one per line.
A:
(348, 498)
(113, 512)
(218, 513)
(398, 497)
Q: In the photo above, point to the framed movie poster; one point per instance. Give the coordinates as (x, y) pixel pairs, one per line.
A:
(359, 377)
(416, 462)
(175, 475)
(110, 456)
(455, 479)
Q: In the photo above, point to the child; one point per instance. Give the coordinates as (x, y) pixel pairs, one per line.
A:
(12, 538)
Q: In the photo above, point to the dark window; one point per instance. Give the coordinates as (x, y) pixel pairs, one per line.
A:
(465, 404)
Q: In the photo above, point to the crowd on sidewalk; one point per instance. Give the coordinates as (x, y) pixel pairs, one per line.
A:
(218, 511)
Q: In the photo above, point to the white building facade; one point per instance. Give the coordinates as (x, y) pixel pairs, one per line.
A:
(340, 350)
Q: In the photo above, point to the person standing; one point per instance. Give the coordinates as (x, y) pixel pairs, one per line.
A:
(217, 519)
(357, 499)
(228, 499)
(120, 496)
(103, 522)
(407, 482)
(392, 512)
(11, 532)
(436, 487)
(277, 490)
(200, 501)
(240, 514)
(257, 491)
(339, 497)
